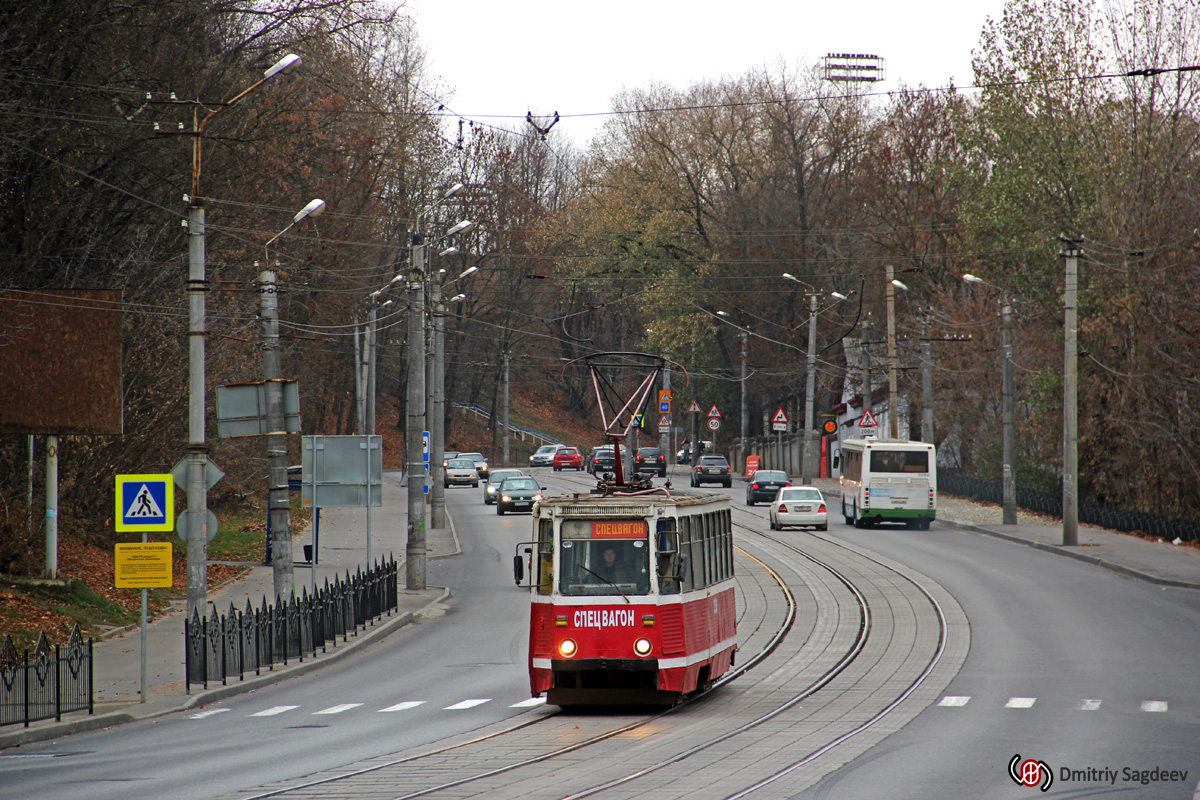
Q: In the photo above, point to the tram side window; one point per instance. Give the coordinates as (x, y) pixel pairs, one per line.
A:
(668, 563)
(685, 552)
(545, 556)
(710, 550)
(726, 519)
(699, 556)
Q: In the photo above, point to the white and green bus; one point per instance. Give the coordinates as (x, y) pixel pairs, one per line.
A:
(888, 480)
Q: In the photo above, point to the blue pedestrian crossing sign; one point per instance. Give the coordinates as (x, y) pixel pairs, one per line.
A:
(145, 503)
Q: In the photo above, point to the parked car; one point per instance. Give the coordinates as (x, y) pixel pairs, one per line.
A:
(650, 459)
(797, 506)
(567, 458)
(518, 494)
(460, 471)
(544, 457)
(765, 484)
(481, 465)
(491, 487)
(712, 469)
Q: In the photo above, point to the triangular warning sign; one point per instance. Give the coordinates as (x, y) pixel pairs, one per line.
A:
(143, 506)
(694, 408)
(779, 416)
(868, 420)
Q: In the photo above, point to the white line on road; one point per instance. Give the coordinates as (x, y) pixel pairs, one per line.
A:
(337, 709)
(402, 706)
(531, 702)
(466, 704)
(954, 701)
(1089, 705)
(270, 712)
(1154, 705)
(1020, 702)
(210, 712)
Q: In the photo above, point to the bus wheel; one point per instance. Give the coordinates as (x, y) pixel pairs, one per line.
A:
(859, 522)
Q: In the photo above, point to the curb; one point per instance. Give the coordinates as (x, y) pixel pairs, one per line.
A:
(363, 638)
(1058, 550)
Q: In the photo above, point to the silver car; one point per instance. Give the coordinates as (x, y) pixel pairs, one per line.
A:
(460, 471)
(495, 478)
(544, 457)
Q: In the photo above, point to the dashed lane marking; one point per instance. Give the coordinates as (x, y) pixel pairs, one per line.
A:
(467, 704)
(1089, 705)
(208, 713)
(530, 703)
(954, 701)
(338, 709)
(405, 706)
(270, 712)
(1020, 702)
(1156, 706)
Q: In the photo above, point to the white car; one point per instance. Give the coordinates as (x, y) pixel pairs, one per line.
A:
(544, 457)
(460, 470)
(799, 506)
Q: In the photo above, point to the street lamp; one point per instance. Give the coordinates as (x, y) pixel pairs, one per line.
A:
(279, 511)
(1008, 429)
(197, 450)
(893, 387)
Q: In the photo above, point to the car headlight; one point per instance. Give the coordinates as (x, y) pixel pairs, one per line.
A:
(537, 498)
(567, 648)
(482, 466)
(506, 498)
(642, 647)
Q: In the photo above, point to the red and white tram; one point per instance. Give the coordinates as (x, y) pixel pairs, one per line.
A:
(633, 597)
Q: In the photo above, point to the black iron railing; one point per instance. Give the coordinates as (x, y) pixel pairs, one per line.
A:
(220, 647)
(1107, 517)
(50, 682)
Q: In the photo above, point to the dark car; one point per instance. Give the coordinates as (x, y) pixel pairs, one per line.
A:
(765, 484)
(650, 459)
(602, 460)
(518, 494)
(712, 469)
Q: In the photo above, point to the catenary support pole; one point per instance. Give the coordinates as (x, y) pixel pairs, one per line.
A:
(1070, 491)
(415, 409)
(810, 388)
(1009, 488)
(278, 499)
(51, 570)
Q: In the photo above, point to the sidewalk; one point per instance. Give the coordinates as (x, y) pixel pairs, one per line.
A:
(342, 548)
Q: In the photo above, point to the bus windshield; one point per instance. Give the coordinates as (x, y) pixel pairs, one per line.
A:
(604, 557)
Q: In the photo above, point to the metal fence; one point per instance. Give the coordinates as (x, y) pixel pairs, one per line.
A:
(1107, 517)
(49, 683)
(220, 647)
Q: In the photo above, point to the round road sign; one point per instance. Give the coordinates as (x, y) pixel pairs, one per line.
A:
(714, 424)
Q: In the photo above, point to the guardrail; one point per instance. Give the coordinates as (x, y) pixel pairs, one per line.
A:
(220, 647)
(48, 684)
(521, 431)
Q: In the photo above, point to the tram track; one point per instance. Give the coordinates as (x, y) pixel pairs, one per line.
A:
(853, 599)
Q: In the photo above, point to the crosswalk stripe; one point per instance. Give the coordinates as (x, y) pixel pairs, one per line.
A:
(1089, 705)
(270, 712)
(466, 704)
(210, 712)
(954, 701)
(1154, 705)
(1020, 702)
(337, 709)
(402, 706)
(533, 701)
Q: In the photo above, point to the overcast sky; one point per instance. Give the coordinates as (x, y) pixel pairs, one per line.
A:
(501, 59)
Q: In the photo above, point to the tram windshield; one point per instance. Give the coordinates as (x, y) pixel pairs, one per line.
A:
(604, 557)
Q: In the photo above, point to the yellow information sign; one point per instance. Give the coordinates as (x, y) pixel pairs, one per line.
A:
(144, 565)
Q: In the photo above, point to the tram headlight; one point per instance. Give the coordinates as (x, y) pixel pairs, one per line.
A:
(642, 647)
(567, 648)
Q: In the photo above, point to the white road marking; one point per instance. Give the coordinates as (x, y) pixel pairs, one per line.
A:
(1089, 705)
(1159, 706)
(210, 712)
(402, 706)
(533, 701)
(1020, 702)
(467, 704)
(337, 709)
(270, 712)
(954, 701)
